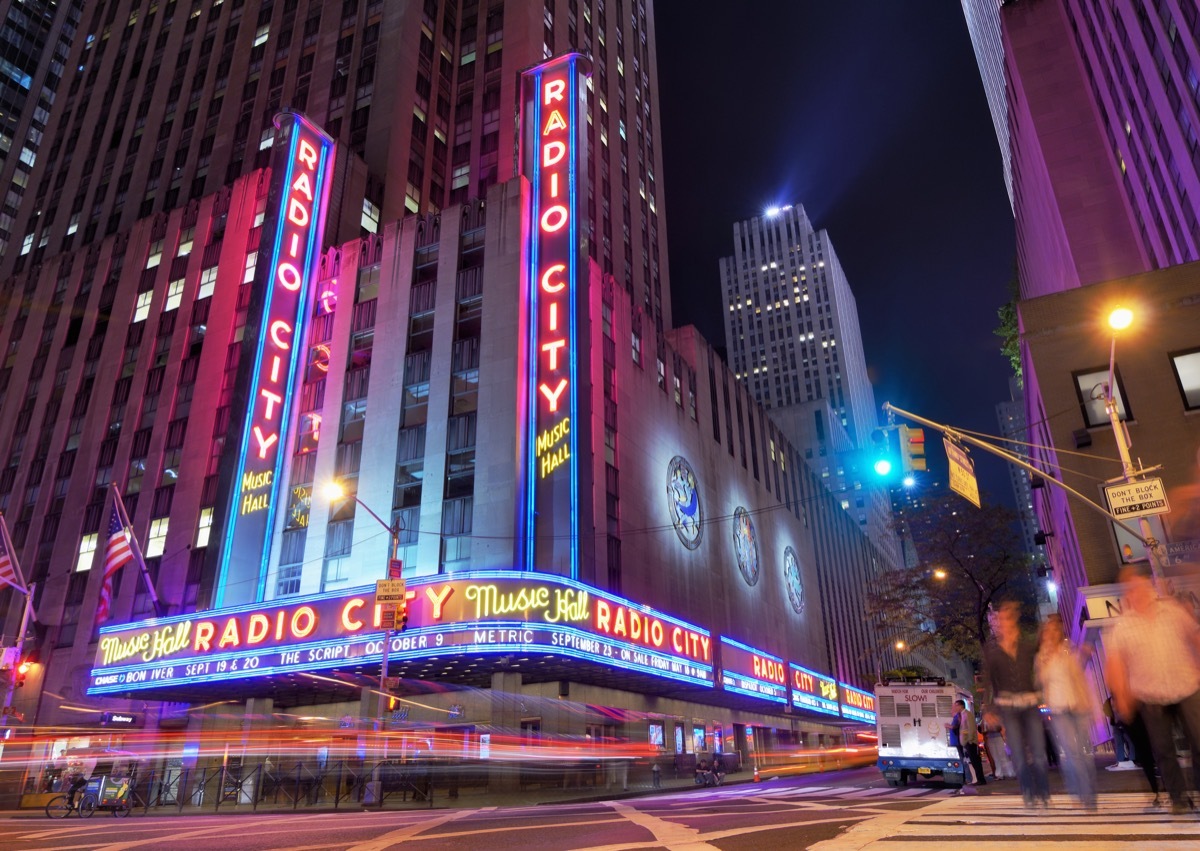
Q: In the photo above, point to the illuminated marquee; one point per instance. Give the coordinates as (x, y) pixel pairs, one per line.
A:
(485, 612)
(554, 136)
(857, 704)
(749, 671)
(813, 691)
(289, 248)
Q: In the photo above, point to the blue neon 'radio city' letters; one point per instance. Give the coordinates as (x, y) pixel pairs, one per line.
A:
(291, 243)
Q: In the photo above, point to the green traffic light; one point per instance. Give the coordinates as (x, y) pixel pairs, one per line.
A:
(883, 466)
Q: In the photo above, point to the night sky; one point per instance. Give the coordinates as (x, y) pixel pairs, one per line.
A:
(872, 115)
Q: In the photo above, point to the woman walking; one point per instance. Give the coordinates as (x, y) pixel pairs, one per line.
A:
(1008, 672)
(1059, 674)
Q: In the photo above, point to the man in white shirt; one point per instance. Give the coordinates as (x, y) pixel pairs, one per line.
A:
(1154, 670)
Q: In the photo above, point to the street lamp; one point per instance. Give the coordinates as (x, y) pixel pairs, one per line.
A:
(939, 573)
(901, 646)
(334, 491)
(1120, 319)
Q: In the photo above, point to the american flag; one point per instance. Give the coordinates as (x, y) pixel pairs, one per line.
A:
(116, 555)
(10, 572)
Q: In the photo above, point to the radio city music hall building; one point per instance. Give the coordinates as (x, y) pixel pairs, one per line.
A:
(591, 511)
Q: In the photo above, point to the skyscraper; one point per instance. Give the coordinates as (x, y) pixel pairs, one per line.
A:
(34, 44)
(1103, 117)
(513, 427)
(165, 105)
(791, 327)
(983, 23)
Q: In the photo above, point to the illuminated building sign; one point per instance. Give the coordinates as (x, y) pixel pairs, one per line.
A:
(554, 133)
(857, 705)
(484, 612)
(813, 691)
(274, 344)
(746, 670)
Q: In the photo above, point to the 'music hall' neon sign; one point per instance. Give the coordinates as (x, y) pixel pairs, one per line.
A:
(483, 612)
(288, 254)
(553, 134)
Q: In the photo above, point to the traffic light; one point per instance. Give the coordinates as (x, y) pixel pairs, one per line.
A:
(22, 670)
(884, 462)
(912, 449)
(402, 614)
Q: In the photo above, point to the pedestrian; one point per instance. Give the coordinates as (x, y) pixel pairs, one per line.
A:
(656, 775)
(1144, 756)
(965, 734)
(1157, 639)
(1008, 674)
(1002, 765)
(1058, 672)
(1122, 741)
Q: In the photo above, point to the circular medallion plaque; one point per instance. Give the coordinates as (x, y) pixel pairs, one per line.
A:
(683, 501)
(793, 580)
(745, 545)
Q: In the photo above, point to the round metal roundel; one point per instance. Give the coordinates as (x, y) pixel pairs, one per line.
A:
(683, 500)
(745, 544)
(793, 580)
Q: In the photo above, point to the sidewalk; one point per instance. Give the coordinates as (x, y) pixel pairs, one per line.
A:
(1106, 781)
(468, 798)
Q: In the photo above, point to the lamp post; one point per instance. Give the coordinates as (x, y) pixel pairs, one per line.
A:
(1120, 319)
(335, 491)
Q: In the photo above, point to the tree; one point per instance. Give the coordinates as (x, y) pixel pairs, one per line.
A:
(967, 560)
(1009, 329)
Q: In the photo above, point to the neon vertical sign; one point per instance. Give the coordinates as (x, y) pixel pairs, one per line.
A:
(291, 242)
(553, 138)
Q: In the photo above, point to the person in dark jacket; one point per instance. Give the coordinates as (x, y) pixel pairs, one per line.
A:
(1008, 675)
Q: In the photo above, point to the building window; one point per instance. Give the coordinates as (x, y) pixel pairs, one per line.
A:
(1089, 387)
(186, 239)
(251, 260)
(174, 295)
(155, 255)
(156, 541)
(205, 528)
(208, 282)
(1187, 374)
(288, 580)
(87, 548)
(142, 309)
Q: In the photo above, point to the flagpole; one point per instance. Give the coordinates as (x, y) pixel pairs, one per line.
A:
(137, 550)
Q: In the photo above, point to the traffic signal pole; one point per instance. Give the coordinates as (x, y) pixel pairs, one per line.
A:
(20, 648)
(958, 436)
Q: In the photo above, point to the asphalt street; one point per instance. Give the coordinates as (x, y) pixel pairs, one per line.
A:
(844, 811)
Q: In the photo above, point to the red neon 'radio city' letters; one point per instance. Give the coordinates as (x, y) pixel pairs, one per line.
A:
(287, 257)
(555, 217)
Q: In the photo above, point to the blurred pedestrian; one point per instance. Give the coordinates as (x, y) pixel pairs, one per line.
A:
(1157, 639)
(1008, 673)
(1122, 742)
(1002, 766)
(1058, 672)
(965, 733)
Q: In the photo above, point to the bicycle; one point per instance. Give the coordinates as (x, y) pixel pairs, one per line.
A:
(60, 806)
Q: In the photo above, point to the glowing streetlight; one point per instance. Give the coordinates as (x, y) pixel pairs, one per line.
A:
(909, 481)
(332, 491)
(901, 646)
(1120, 319)
(939, 573)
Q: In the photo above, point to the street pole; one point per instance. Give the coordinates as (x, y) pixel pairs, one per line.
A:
(19, 646)
(1121, 436)
(387, 635)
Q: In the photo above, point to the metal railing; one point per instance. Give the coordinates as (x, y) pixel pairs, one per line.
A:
(322, 785)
